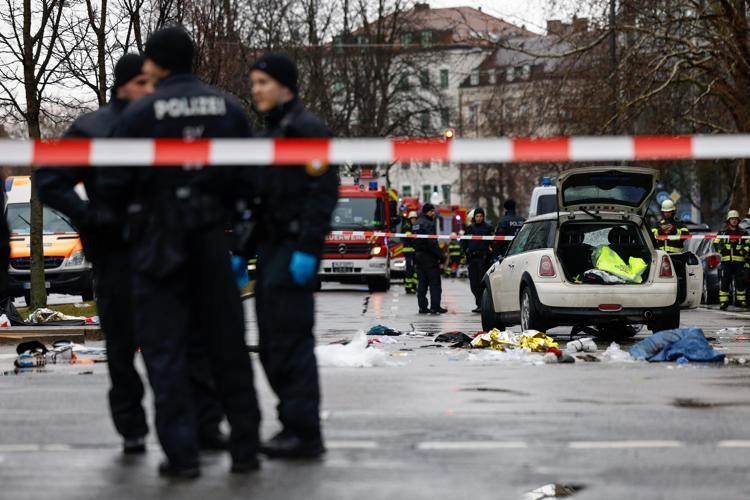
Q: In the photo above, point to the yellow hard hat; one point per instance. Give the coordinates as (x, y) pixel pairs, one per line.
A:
(733, 214)
(667, 206)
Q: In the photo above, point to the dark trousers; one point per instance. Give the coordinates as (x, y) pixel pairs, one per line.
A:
(112, 280)
(477, 268)
(732, 272)
(429, 277)
(286, 316)
(199, 299)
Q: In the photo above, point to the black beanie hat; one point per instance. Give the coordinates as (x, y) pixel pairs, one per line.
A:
(171, 48)
(128, 67)
(427, 207)
(509, 205)
(478, 210)
(280, 67)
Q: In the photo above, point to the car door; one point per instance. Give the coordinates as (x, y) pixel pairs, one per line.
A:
(694, 276)
(503, 280)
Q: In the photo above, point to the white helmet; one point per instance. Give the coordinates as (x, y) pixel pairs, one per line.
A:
(733, 214)
(412, 215)
(667, 206)
(470, 215)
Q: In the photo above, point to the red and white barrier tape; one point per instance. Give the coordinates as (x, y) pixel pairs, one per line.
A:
(166, 152)
(383, 234)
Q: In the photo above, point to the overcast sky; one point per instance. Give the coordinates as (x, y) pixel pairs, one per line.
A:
(532, 13)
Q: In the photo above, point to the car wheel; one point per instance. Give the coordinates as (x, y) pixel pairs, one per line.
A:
(529, 315)
(490, 319)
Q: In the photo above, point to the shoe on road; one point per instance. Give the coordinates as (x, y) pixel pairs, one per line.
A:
(439, 310)
(477, 310)
(167, 469)
(424, 311)
(134, 446)
(724, 306)
(288, 445)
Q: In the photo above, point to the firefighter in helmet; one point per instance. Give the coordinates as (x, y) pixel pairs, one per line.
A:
(410, 279)
(669, 225)
(733, 250)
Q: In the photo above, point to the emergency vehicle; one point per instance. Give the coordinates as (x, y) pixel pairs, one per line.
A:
(354, 259)
(66, 269)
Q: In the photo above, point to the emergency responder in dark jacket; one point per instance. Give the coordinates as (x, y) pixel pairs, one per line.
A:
(508, 225)
(669, 226)
(429, 257)
(101, 230)
(296, 204)
(410, 279)
(478, 254)
(180, 259)
(733, 253)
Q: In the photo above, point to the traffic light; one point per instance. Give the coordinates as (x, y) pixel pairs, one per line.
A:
(448, 134)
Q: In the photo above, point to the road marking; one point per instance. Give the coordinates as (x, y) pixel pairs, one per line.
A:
(15, 448)
(352, 445)
(471, 445)
(595, 445)
(737, 443)
(728, 313)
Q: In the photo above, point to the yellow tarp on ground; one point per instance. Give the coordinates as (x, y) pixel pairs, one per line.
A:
(500, 341)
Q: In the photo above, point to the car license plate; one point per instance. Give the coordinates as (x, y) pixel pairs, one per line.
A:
(27, 286)
(342, 267)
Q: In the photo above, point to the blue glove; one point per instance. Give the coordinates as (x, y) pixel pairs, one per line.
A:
(239, 268)
(303, 267)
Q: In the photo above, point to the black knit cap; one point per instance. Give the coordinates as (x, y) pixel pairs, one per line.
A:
(509, 205)
(478, 210)
(128, 67)
(427, 207)
(280, 67)
(171, 48)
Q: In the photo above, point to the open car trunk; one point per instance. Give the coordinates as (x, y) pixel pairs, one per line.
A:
(579, 240)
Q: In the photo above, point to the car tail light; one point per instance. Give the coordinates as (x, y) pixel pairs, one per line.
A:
(610, 307)
(546, 269)
(665, 271)
(713, 261)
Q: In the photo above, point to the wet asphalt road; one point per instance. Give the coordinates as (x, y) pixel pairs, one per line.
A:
(435, 423)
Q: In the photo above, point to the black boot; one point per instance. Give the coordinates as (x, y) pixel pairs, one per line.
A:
(287, 444)
(215, 441)
(134, 446)
(167, 469)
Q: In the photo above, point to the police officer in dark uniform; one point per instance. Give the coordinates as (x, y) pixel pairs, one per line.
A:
(295, 208)
(101, 231)
(180, 259)
(508, 225)
(478, 254)
(429, 258)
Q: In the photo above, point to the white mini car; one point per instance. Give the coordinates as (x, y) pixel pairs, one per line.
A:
(547, 278)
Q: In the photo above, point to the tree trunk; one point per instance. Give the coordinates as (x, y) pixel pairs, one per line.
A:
(36, 250)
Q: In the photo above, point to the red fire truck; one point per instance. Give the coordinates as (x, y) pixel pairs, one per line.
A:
(356, 259)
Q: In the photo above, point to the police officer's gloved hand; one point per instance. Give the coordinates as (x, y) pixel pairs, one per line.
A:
(303, 267)
(239, 268)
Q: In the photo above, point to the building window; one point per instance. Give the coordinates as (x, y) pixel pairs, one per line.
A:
(426, 39)
(474, 117)
(406, 191)
(406, 39)
(474, 78)
(338, 42)
(446, 193)
(444, 79)
(424, 78)
(338, 87)
(424, 120)
(509, 74)
(426, 193)
(492, 77)
(445, 117)
(526, 71)
(362, 40)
